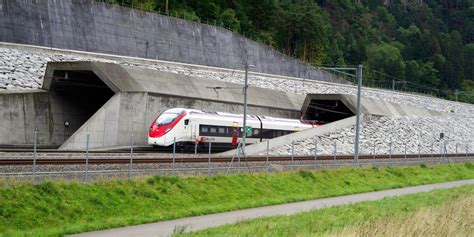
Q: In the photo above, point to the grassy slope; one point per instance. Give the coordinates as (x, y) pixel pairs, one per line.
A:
(436, 213)
(55, 208)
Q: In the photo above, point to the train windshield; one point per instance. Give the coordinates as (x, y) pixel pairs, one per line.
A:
(168, 117)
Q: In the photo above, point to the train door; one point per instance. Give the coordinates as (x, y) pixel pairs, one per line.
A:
(193, 131)
(235, 134)
(188, 129)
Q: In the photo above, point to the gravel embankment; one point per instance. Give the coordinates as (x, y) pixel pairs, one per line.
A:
(424, 132)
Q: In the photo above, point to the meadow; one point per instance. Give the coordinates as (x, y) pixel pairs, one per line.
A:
(437, 213)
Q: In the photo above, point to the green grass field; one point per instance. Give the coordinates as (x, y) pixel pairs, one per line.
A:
(436, 213)
(58, 208)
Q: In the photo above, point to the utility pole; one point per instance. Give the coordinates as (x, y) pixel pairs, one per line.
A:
(456, 92)
(359, 88)
(244, 125)
(244, 135)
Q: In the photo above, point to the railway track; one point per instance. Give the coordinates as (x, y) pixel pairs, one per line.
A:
(139, 159)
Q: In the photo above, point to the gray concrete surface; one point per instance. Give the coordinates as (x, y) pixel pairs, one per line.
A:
(261, 147)
(372, 107)
(22, 112)
(121, 78)
(100, 27)
(166, 228)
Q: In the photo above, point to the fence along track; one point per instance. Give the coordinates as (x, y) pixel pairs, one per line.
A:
(190, 159)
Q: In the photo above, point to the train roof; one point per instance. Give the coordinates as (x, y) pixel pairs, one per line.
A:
(230, 115)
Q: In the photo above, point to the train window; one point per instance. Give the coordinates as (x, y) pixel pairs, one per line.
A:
(204, 129)
(221, 130)
(186, 121)
(267, 133)
(166, 118)
(213, 130)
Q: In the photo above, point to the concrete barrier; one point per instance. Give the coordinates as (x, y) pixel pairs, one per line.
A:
(260, 147)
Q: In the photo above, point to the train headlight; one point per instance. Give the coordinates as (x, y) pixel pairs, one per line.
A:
(167, 130)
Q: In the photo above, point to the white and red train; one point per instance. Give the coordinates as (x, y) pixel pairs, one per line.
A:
(194, 126)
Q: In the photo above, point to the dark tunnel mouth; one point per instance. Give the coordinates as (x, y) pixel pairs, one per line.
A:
(327, 111)
(80, 94)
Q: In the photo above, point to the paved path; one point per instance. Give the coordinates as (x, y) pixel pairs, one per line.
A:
(165, 228)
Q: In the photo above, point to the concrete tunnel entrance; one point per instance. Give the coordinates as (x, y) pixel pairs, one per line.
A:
(81, 93)
(326, 108)
(327, 111)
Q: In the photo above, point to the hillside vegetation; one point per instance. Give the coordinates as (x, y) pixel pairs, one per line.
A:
(57, 208)
(422, 45)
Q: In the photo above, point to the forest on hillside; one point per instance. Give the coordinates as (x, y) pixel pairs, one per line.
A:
(421, 45)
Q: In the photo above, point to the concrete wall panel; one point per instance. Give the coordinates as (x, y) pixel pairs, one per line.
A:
(23, 112)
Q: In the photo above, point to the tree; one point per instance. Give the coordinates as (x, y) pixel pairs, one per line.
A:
(422, 73)
(228, 19)
(386, 58)
(469, 61)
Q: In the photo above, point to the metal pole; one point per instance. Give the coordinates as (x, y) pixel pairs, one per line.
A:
(244, 135)
(456, 150)
(335, 153)
(445, 151)
(238, 157)
(195, 148)
(375, 151)
(432, 149)
(441, 153)
(209, 160)
(359, 88)
(34, 154)
(390, 149)
(268, 146)
(174, 155)
(467, 148)
(86, 173)
(393, 85)
(405, 160)
(419, 150)
(131, 158)
(293, 155)
(315, 153)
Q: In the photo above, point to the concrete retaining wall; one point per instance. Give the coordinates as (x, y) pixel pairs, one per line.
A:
(98, 27)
